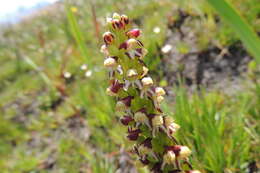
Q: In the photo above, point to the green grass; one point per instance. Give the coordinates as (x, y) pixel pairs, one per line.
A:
(238, 24)
(46, 118)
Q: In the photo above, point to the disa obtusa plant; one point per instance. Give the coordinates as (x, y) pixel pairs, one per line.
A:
(138, 101)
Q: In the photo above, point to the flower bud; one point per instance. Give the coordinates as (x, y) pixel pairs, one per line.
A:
(140, 117)
(117, 24)
(116, 16)
(169, 157)
(147, 81)
(170, 125)
(184, 152)
(180, 151)
(133, 134)
(124, 19)
(131, 44)
(193, 171)
(110, 62)
(157, 121)
(134, 33)
(159, 99)
(131, 73)
(125, 120)
(108, 38)
(145, 71)
(159, 91)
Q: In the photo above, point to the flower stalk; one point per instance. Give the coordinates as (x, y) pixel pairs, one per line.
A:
(138, 100)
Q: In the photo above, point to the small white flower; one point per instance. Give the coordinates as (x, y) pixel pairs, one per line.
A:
(88, 73)
(194, 171)
(157, 30)
(170, 126)
(132, 73)
(84, 67)
(110, 62)
(67, 74)
(184, 152)
(147, 81)
(168, 158)
(157, 122)
(159, 91)
(141, 118)
(167, 48)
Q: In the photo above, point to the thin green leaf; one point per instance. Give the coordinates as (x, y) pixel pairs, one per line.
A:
(239, 25)
(77, 34)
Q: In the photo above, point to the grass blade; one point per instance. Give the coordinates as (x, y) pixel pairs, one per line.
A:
(239, 25)
(77, 34)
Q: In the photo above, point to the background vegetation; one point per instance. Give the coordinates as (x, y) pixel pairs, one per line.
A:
(56, 117)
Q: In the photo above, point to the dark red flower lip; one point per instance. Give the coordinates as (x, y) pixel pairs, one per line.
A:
(125, 120)
(176, 149)
(133, 134)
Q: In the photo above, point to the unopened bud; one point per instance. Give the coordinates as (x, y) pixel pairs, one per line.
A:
(147, 81)
(117, 24)
(157, 121)
(108, 38)
(132, 73)
(124, 19)
(140, 117)
(134, 33)
(159, 91)
(193, 171)
(110, 62)
(116, 16)
(169, 157)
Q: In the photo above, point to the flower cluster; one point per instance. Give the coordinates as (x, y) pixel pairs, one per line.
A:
(138, 100)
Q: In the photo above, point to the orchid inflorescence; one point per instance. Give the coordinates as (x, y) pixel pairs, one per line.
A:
(138, 100)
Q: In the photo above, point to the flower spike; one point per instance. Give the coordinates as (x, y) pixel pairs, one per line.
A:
(138, 99)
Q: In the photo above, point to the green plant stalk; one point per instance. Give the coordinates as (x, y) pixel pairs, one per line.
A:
(239, 25)
(138, 101)
(77, 34)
